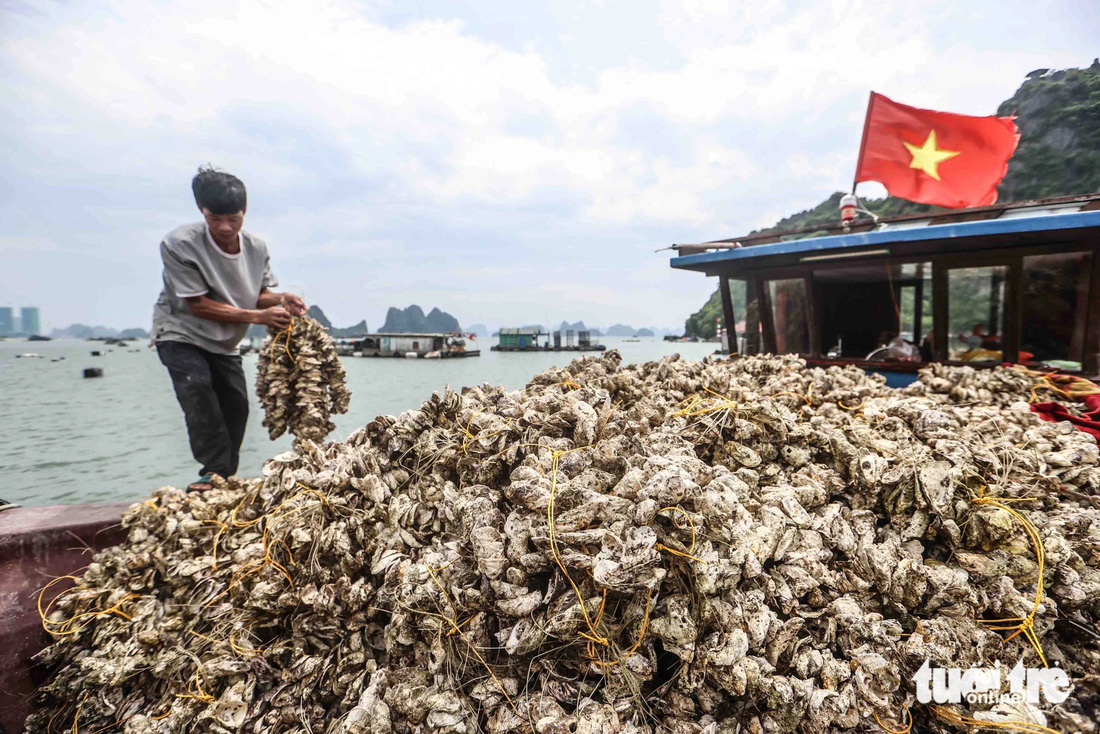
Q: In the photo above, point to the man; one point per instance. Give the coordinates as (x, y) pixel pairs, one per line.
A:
(217, 281)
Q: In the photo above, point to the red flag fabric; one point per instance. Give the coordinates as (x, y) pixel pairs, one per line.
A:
(935, 157)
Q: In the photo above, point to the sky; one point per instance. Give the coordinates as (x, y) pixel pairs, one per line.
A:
(509, 163)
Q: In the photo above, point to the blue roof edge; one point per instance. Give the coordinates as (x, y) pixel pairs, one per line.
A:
(1073, 220)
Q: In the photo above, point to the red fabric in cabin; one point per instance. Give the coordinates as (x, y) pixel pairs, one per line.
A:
(1090, 422)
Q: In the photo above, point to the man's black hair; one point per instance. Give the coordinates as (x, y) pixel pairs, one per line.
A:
(219, 192)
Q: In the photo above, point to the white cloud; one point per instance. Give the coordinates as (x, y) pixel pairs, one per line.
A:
(431, 146)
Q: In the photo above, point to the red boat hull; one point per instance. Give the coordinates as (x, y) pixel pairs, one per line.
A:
(38, 544)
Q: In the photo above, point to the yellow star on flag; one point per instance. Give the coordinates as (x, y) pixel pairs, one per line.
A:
(927, 157)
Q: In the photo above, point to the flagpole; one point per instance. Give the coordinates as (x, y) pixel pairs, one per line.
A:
(863, 140)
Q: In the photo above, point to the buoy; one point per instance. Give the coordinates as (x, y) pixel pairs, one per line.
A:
(848, 204)
(93, 372)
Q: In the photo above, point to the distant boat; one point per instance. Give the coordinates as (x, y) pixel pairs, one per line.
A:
(39, 338)
(409, 346)
(29, 355)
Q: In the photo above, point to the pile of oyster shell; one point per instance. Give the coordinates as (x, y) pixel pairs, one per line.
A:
(680, 547)
(300, 381)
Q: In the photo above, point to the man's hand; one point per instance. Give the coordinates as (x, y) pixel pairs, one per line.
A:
(275, 316)
(292, 303)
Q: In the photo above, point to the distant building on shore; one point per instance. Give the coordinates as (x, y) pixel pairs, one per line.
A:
(7, 321)
(30, 325)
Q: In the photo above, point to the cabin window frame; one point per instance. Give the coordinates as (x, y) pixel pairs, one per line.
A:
(941, 262)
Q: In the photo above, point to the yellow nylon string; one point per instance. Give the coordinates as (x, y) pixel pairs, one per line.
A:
(1023, 625)
(905, 716)
(456, 628)
(950, 716)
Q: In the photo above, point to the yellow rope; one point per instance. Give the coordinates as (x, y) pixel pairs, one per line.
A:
(222, 527)
(113, 724)
(67, 627)
(272, 516)
(1045, 383)
(795, 394)
(594, 635)
(637, 643)
(905, 716)
(951, 717)
(1076, 387)
(1023, 625)
(195, 691)
(673, 551)
(76, 718)
(693, 408)
(286, 343)
(456, 628)
(471, 438)
(246, 652)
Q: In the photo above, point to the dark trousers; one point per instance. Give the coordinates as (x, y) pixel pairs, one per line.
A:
(213, 393)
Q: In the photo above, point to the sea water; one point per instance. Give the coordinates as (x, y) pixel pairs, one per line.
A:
(65, 439)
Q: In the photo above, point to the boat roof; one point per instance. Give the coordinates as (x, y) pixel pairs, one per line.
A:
(393, 334)
(1015, 223)
(521, 330)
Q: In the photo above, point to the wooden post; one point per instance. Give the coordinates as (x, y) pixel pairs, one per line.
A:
(1091, 362)
(752, 318)
(939, 312)
(918, 305)
(813, 321)
(727, 314)
(995, 281)
(767, 318)
(1013, 317)
(1081, 309)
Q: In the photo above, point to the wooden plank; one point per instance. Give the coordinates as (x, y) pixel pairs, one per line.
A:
(727, 314)
(939, 311)
(953, 258)
(1089, 202)
(978, 252)
(1013, 316)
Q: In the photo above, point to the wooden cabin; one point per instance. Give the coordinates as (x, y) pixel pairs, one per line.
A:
(1016, 282)
(526, 339)
(423, 346)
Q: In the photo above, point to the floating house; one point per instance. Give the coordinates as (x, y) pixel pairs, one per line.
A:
(1015, 282)
(419, 346)
(526, 339)
(519, 339)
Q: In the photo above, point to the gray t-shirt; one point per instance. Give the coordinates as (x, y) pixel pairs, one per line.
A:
(195, 266)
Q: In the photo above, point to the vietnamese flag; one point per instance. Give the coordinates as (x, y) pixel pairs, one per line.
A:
(935, 157)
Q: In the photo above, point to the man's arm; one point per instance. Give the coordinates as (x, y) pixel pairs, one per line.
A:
(292, 303)
(211, 310)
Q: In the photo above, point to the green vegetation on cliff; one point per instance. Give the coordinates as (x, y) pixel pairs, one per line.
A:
(703, 323)
(1058, 114)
